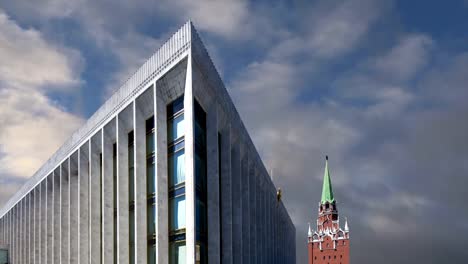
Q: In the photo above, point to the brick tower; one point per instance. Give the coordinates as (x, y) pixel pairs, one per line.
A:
(329, 244)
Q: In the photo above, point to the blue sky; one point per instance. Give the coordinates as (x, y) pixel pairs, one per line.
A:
(379, 86)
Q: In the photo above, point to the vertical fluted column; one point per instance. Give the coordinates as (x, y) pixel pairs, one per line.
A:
(189, 164)
(84, 203)
(95, 147)
(50, 217)
(65, 211)
(21, 230)
(4, 229)
(162, 228)
(37, 224)
(226, 204)
(108, 192)
(213, 185)
(236, 202)
(263, 219)
(258, 216)
(30, 227)
(44, 221)
(57, 215)
(15, 234)
(141, 236)
(74, 208)
(2, 223)
(2, 240)
(271, 199)
(245, 205)
(124, 126)
(252, 203)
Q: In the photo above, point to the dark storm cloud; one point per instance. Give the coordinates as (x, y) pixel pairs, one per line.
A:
(349, 79)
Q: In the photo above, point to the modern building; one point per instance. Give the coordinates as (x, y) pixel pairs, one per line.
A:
(329, 244)
(163, 172)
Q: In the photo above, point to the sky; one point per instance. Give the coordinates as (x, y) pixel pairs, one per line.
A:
(381, 87)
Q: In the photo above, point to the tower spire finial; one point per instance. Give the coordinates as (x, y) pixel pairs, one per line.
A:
(327, 191)
(310, 232)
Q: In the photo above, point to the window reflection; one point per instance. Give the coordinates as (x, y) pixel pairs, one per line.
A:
(177, 213)
(177, 253)
(176, 168)
(176, 128)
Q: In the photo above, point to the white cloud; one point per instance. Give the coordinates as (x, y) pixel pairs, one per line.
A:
(337, 30)
(31, 129)
(131, 50)
(8, 189)
(404, 60)
(28, 60)
(32, 126)
(230, 19)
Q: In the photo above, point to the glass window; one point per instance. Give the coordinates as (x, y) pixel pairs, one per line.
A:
(149, 143)
(175, 128)
(132, 235)
(175, 106)
(176, 168)
(151, 219)
(3, 256)
(177, 213)
(151, 172)
(151, 254)
(177, 253)
(131, 226)
(131, 185)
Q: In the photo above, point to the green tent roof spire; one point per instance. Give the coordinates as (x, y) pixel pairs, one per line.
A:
(327, 191)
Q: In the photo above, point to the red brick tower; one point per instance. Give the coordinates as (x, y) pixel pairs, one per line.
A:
(329, 244)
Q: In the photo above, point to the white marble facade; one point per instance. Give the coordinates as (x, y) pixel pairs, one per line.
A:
(75, 209)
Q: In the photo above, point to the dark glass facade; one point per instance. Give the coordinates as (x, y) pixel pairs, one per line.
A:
(201, 215)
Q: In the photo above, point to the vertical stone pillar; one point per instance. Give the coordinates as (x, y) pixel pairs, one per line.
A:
(124, 126)
(226, 204)
(37, 224)
(83, 163)
(74, 209)
(141, 236)
(236, 199)
(15, 233)
(25, 228)
(189, 164)
(95, 203)
(21, 231)
(108, 139)
(245, 206)
(50, 217)
(162, 228)
(57, 215)
(258, 217)
(252, 204)
(213, 185)
(44, 221)
(65, 212)
(30, 227)
(2, 240)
